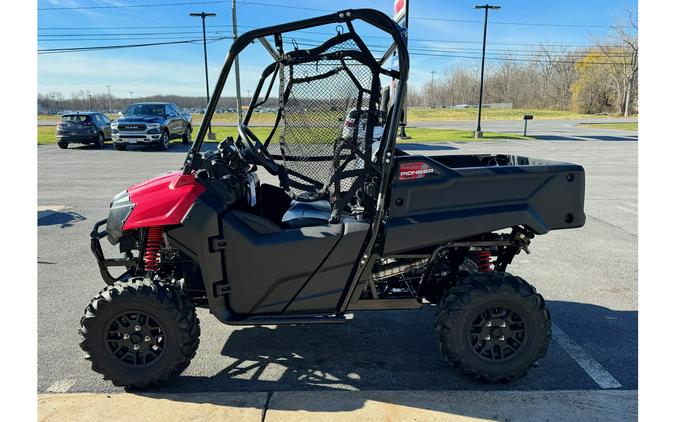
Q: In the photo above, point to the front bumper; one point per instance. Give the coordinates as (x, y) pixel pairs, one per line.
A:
(104, 263)
(127, 137)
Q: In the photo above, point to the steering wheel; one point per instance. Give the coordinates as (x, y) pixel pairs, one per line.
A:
(258, 150)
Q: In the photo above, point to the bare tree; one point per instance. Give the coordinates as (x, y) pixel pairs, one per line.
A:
(620, 51)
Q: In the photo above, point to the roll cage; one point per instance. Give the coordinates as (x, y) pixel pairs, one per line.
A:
(388, 140)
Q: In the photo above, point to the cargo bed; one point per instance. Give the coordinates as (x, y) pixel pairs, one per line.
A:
(450, 197)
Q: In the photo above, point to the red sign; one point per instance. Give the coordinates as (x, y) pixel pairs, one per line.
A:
(399, 9)
(414, 170)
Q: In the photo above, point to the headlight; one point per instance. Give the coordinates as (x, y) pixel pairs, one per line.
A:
(113, 125)
(153, 125)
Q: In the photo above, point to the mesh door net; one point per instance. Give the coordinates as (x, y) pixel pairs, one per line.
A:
(328, 106)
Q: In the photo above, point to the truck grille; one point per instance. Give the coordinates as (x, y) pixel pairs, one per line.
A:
(131, 127)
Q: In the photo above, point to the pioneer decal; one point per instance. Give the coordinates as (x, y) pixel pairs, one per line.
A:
(414, 170)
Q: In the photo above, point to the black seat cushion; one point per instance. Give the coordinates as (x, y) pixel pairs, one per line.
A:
(305, 214)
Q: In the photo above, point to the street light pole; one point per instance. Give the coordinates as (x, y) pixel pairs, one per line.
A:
(479, 133)
(433, 90)
(204, 15)
(236, 62)
(109, 100)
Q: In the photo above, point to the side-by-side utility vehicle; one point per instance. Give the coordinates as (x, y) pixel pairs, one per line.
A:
(349, 223)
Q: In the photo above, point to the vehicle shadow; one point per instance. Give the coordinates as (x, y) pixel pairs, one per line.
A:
(426, 147)
(397, 351)
(587, 138)
(62, 218)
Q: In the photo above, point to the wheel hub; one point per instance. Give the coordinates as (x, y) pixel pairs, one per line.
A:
(496, 334)
(135, 338)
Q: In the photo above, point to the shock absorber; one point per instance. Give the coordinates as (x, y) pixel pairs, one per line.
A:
(483, 261)
(153, 244)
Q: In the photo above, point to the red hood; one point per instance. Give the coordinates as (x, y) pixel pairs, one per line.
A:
(163, 200)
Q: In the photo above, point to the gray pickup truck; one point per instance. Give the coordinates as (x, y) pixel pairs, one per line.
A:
(151, 124)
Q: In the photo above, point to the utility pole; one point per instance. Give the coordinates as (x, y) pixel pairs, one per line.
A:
(404, 108)
(236, 60)
(131, 96)
(433, 90)
(89, 95)
(109, 100)
(479, 133)
(204, 15)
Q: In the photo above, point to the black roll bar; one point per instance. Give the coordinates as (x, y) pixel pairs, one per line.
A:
(371, 16)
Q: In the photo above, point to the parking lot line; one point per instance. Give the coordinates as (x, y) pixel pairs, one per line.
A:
(592, 367)
(61, 386)
(627, 210)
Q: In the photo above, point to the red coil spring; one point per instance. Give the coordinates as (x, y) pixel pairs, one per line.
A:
(483, 261)
(152, 246)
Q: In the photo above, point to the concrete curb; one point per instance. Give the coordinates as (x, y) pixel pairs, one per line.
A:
(607, 405)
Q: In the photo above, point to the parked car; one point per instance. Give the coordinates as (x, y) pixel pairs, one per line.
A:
(350, 124)
(151, 124)
(82, 128)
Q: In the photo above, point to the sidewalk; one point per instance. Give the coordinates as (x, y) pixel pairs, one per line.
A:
(607, 405)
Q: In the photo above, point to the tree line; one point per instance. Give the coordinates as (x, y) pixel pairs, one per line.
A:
(601, 78)
(53, 102)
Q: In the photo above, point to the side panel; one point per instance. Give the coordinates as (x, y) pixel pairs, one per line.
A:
(432, 203)
(192, 237)
(265, 271)
(323, 291)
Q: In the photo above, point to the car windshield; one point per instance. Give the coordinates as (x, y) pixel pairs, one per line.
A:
(75, 118)
(145, 110)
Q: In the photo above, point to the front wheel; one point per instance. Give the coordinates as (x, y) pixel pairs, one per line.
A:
(62, 145)
(493, 326)
(164, 140)
(139, 333)
(187, 136)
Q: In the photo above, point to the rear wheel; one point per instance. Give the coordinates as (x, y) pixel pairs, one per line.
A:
(139, 333)
(187, 136)
(62, 145)
(121, 147)
(493, 327)
(164, 140)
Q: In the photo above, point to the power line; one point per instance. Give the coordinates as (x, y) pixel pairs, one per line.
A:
(124, 6)
(99, 34)
(566, 25)
(111, 47)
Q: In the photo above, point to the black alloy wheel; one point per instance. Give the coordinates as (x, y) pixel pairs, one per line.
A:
(135, 338)
(493, 326)
(139, 333)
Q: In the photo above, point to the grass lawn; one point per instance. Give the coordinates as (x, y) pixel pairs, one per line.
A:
(47, 134)
(415, 114)
(618, 126)
(426, 114)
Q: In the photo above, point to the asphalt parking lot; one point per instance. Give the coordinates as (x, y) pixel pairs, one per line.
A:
(588, 277)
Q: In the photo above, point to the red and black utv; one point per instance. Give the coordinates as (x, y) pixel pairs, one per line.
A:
(353, 224)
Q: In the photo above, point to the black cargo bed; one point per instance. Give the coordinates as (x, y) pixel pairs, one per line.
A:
(452, 197)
